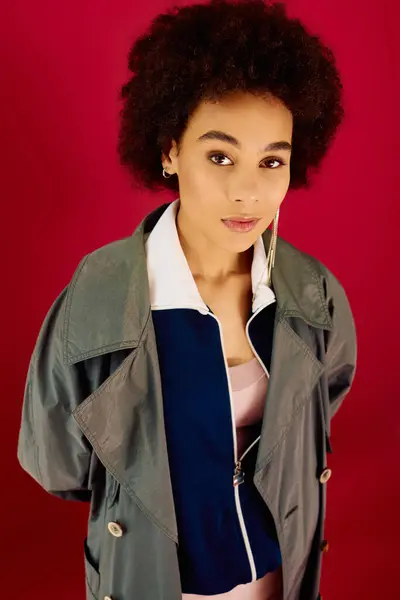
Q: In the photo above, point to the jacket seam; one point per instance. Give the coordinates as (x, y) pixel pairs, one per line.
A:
(298, 313)
(280, 535)
(32, 417)
(102, 349)
(71, 289)
(90, 587)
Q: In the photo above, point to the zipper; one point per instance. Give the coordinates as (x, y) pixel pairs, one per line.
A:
(238, 476)
(238, 473)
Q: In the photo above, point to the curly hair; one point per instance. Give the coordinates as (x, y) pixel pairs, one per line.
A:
(205, 51)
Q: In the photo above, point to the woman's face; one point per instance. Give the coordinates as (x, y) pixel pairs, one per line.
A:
(247, 174)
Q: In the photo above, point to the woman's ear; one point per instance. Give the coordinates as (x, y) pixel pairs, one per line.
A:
(170, 159)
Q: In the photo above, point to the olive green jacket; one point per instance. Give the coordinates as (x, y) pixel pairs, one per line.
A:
(92, 419)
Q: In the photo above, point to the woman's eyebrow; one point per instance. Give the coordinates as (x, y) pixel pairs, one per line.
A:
(226, 137)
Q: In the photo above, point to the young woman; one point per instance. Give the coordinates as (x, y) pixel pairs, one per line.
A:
(184, 381)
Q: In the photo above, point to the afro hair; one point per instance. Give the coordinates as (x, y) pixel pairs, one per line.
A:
(204, 51)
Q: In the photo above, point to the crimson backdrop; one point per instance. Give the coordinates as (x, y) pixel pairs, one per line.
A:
(63, 194)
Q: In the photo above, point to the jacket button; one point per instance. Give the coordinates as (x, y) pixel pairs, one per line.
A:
(115, 530)
(325, 475)
(324, 546)
(107, 598)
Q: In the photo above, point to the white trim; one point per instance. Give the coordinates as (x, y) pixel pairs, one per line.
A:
(249, 448)
(201, 309)
(245, 534)
(259, 309)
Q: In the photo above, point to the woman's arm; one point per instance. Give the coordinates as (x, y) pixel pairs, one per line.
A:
(341, 356)
(51, 447)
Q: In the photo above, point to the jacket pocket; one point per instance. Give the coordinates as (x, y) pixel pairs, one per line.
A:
(92, 574)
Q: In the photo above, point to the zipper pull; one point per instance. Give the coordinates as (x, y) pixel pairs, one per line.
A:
(238, 475)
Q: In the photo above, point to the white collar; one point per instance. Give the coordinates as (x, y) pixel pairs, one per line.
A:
(171, 282)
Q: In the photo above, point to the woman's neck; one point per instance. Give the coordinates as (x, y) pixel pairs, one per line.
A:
(210, 263)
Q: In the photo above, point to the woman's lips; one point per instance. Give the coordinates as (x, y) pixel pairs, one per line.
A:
(240, 226)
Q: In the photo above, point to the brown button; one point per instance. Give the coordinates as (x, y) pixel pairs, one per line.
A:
(325, 475)
(324, 546)
(115, 529)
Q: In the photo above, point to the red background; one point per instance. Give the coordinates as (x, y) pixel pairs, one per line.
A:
(63, 194)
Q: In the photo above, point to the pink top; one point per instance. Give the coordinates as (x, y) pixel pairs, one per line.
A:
(249, 387)
(249, 384)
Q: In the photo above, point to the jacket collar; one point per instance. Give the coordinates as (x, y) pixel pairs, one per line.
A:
(171, 282)
(109, 299)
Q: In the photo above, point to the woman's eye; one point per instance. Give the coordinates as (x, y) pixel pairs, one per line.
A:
(212, 156)
(273, 163)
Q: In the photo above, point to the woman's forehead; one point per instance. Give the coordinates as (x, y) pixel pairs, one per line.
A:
(243, 118)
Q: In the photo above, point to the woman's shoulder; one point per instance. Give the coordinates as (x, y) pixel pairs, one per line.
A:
(307, 286)
(103, 307)
(106, 266)
(300, 266)
(116, 263)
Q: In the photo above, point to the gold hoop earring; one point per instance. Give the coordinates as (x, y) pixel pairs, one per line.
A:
(272, 248)
(166, 174)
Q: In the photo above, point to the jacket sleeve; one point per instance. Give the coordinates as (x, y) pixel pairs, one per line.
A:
(341, 343)
(51, 447)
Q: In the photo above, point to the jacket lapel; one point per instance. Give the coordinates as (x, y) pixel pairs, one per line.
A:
(293, 374)
(124, 422)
